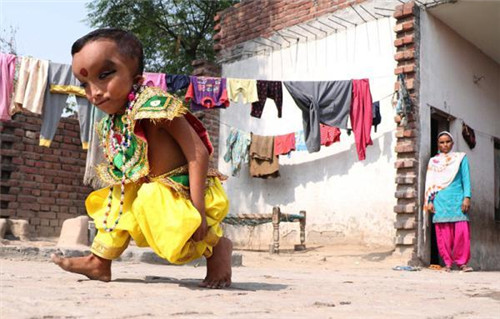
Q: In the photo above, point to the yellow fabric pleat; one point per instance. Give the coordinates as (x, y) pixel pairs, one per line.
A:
(67, 89)
(45, 142)
(155, 215)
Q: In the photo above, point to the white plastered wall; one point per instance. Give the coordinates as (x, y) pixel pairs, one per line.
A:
(346, 200)
(448, 66)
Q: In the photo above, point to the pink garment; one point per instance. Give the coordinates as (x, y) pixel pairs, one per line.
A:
(7, 69)
(361, 115)
(156, 80)
(453, 241)
(284, 144)
(329, 134)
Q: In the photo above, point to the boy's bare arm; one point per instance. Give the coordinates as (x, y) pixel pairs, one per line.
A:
(197, 157)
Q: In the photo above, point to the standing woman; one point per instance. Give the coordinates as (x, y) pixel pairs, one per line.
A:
(447, 197)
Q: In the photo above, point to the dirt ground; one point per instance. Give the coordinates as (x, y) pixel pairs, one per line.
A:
(322, 282)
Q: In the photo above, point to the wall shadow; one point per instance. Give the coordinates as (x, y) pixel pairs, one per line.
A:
(281, 191)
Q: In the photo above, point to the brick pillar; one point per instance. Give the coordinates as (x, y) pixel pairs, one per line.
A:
(210, 118)
(407, 41)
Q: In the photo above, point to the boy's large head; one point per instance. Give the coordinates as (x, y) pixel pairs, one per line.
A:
(108, 62)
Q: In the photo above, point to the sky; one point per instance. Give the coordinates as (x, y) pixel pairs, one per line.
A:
(46, 29)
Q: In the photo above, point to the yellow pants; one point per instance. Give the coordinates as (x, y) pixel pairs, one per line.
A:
(157, 215)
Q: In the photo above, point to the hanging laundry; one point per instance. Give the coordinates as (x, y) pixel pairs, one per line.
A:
(361, 115)
(329, 134)
(85, 121)
(268, 89)
(263, 162)
(155, 79)
(95, 155)
(403, 106)
(247, 89)
(176, 82)
(321, 102)
(469, 135)
(31, 86)
(207, 93)
(377, 117)
(7, 70)
(300, 142)
(237, 144)
(61, 79)
(284, 144)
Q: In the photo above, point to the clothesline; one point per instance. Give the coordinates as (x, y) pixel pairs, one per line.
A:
(215, 92)
(281, 80)
(381, 99)
(231, 77)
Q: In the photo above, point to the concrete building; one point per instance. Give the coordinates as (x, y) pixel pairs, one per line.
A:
(451, 69)
(459, 67)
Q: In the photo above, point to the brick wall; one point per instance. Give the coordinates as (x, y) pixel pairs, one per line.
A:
(39, 184)
(251, 19)
(407, 39)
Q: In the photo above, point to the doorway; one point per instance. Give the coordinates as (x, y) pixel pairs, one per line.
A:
(440, 121)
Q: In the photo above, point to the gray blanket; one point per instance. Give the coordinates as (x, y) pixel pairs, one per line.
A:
(327, 102)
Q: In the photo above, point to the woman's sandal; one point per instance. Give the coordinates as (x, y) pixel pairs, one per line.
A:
(465, 268)
(447, 269)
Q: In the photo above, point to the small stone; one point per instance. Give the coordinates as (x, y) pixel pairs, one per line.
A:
(324, 304)
(74, 232)
(19, 228)
(3, 227)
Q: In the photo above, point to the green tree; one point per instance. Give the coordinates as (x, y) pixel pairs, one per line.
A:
(8, 40)
(173, 32)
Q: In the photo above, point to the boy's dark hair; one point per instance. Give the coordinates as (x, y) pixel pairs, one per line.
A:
(128, 44)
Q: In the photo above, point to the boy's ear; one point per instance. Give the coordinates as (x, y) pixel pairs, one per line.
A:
(139, 79)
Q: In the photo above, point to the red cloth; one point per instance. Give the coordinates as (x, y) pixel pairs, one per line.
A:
(284, 144)
(329, 134)
(361, 115)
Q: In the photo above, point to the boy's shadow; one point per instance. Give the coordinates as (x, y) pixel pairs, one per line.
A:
(193, 283)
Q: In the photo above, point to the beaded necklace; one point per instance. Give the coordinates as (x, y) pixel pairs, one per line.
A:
(117, 147)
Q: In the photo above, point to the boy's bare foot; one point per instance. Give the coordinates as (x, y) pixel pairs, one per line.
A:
(92, 266)
(219, 266)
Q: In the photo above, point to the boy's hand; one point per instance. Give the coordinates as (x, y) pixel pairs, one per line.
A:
(201, 232)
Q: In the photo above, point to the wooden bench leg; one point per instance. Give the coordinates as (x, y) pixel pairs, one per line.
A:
(302, 245)
(274, 248)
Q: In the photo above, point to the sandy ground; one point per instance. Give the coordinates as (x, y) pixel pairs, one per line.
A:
(322, 282)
